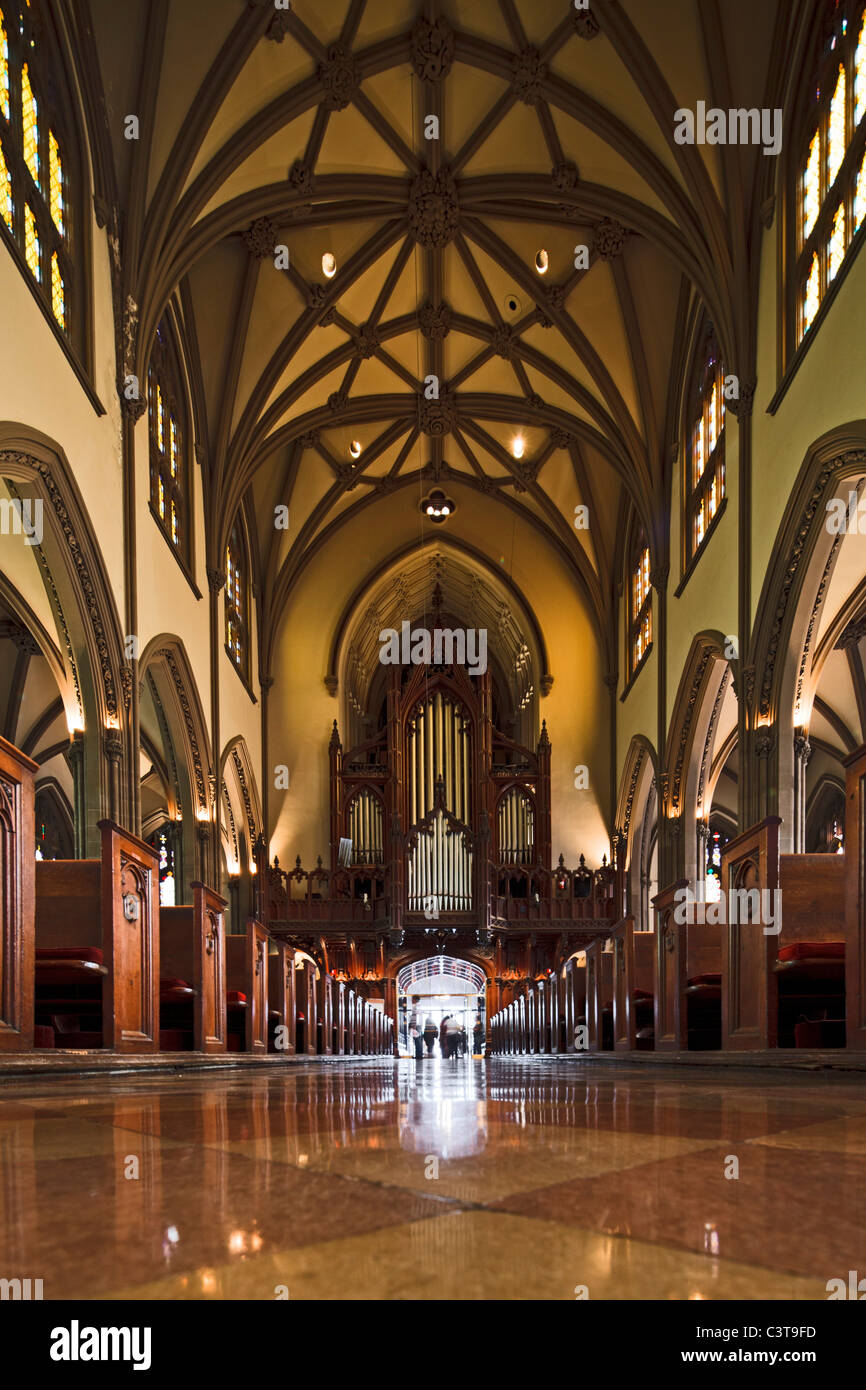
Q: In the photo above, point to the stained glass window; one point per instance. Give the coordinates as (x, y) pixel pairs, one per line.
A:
(34, 189)
(812, 186)
(640, 604)
(860, 75)
(6, 205)
(235, 600)
(860, 196)
(55, 179)
(831, 193)
(812, 295)
(4, 69)
(31, 243)
(58, 300)
(168, 473)
(30, 125)
(836, 130)
(707, 464)
(837, 244)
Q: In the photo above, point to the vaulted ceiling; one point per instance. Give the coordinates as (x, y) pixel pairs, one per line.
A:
(264, 128)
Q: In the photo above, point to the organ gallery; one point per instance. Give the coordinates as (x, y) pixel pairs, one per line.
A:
(432, 685)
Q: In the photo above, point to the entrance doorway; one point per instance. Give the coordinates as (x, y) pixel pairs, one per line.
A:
(436, 989)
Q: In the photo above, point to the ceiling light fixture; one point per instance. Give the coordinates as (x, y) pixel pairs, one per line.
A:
(329, 264)
(437, 507)
(355, 448)
(518, 446)
(542, 261)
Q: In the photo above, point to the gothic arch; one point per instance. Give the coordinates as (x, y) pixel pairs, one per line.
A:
(690, 741)
(97, 679)
(166, 679)
(780, 672)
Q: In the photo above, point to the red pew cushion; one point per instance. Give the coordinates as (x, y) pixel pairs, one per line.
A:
(235, 996)
(711, 978)
(93, 954)
(813, 950)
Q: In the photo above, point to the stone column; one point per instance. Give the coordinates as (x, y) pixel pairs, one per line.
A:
(802, 753)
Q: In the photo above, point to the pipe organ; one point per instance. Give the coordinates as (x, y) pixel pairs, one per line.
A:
(365, 828)
(440, 797)
(515, 828)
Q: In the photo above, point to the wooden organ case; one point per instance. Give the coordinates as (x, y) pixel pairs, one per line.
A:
(442, 810)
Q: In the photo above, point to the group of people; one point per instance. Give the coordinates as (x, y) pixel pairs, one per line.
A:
(453, 1039)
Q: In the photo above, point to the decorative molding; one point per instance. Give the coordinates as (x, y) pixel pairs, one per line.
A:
(585, 24)
(435, 321)
(85, 581)
(632, 787)
(436, 417)
(610, 238)
(686, 725)
(434, 210)
(528, 75)
(186, 709)
(339, 78)
(432, 48)
(245, 793)
(260, 238)
(565, 176)
(850, 461)
(215, 579)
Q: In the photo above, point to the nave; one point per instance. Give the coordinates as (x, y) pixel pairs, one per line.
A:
(459, 1180)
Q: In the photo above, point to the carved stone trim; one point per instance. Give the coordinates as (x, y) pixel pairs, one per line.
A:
(434, 210)
(189, 722)
(432, 49)
(843, 463)
(85, 581)
(338, 77)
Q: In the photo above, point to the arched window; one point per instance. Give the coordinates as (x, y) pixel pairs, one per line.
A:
(37, 162)
(640, 612)
(237, 600)
(169, 445)
(704, 482)
(830, 194)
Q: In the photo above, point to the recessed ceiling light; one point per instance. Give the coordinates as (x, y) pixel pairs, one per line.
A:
(512, 304)
(329, 264)
(518, 446)
(542, 261)
(355, 448)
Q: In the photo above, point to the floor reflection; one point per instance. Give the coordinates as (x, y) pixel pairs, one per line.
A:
(529, 1179)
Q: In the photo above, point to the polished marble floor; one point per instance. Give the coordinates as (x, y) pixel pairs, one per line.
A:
(506, 1179)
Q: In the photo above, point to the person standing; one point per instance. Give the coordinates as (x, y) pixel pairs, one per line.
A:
(443, 1036)
(477, 1037)
(415, 1039)
(429, 1034)
(453, 1032)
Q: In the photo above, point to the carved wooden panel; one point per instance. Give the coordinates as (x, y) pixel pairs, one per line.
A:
(209, 980)
(17, 895)
(130, 941)
(855, 897)
(749, 1013)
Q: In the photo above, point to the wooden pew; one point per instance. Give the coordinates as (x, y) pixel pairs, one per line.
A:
(17, 903)
(325, 1015)
(247, 989)
(855, 896)
(688, 978)
(306, 1001)
(281, 998)
(758, 973)
(542, 1016)
(599, 993)
(633, 970)
(192, 959)
(85, 907)
(575, 1001)
(351, 1010)
(339, 1016)
(531, 1040)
